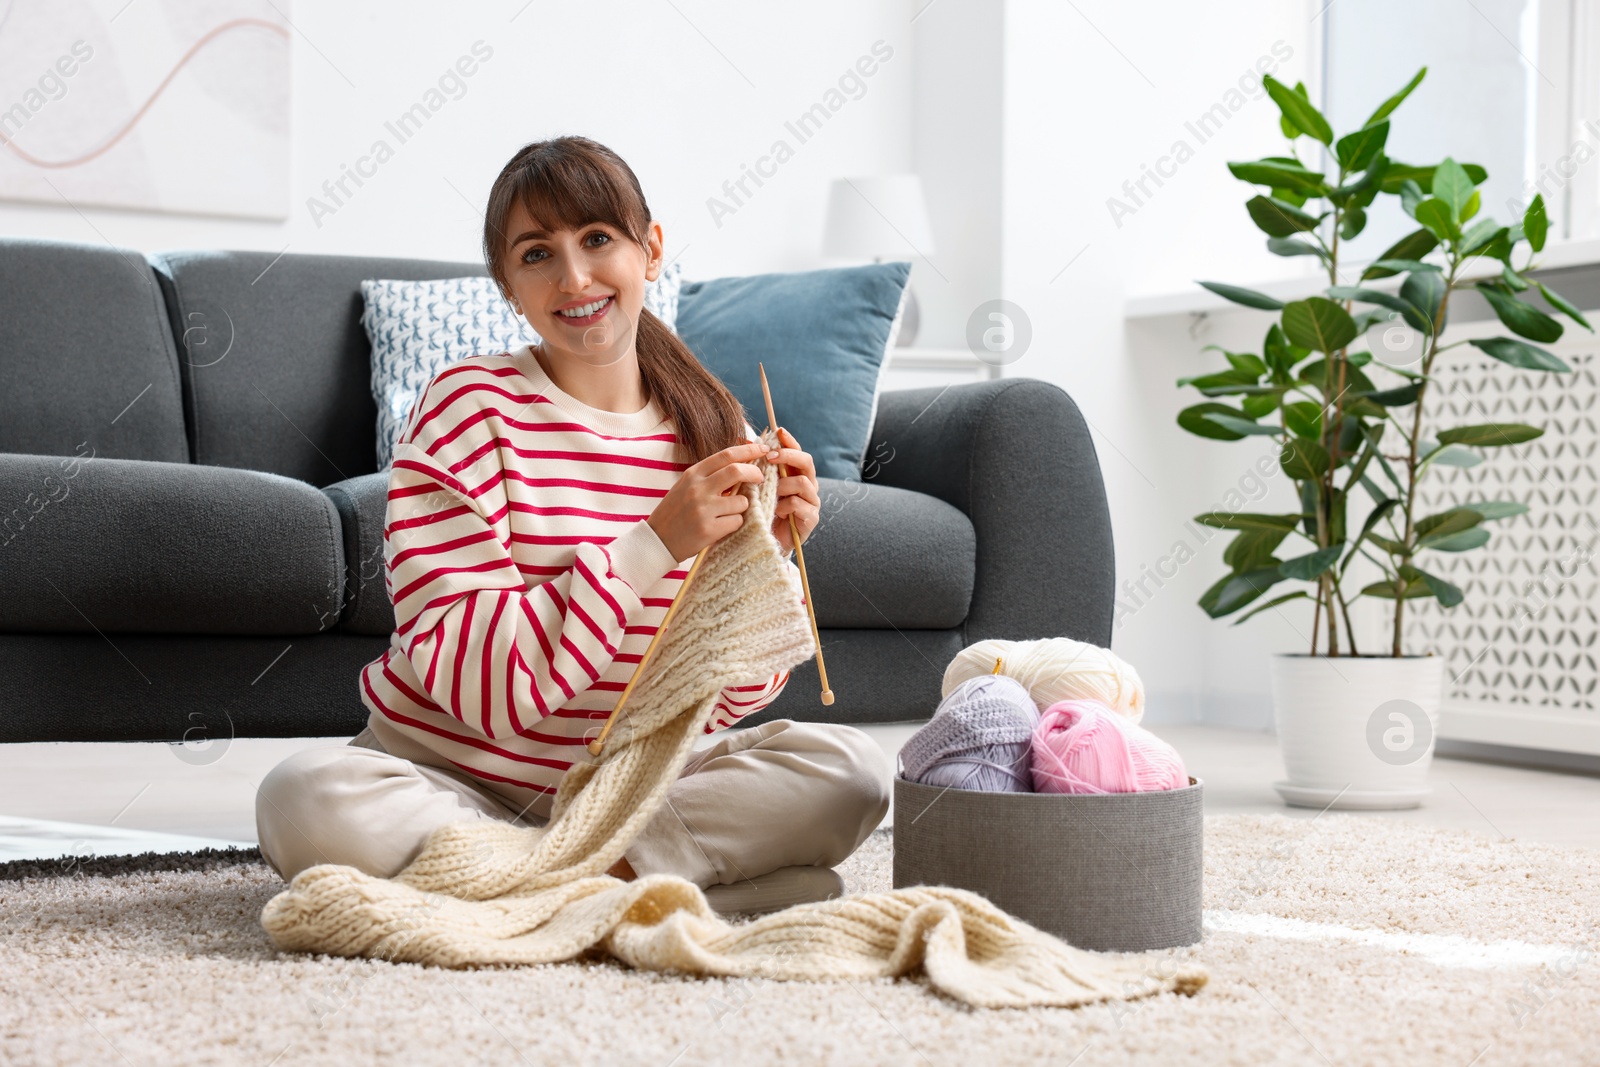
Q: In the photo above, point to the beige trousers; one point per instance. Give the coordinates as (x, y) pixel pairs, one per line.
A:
(758, 798)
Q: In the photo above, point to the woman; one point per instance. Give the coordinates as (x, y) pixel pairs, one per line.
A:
(543, 506)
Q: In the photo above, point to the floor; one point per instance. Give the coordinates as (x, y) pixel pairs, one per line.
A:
(59, 800)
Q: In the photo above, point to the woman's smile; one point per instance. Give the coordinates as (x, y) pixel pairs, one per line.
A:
(593, 317)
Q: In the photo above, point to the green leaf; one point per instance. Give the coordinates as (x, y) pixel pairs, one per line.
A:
(1518, 353)
(1449, 595)
(1444, 524)
(1365, 189)
(1413, 589)
(1280, 176)
(1259, 405)
(1425, 291)
(1354, 221)
(1438, 217)
(1398, 397)
(1414, 318)
(1399, 173)
(1394, 101)
(1364, 321)
(1303, 460)
(1304, 419)
(1480, 235)
(1535, 223)
(1319, 324)
(1279, 357)
(1473, 203)
(1513, 280)
(1384, 506)
(1451, 184)
(1401, 266)
(1411, 195)
(1287, 246)
(1246, 520)
(1298, 110)
(1252, 549)
(1277, 219)
(1243, 362)
(1307, 567)
(1355, 150)
(1248, 297)
(1500, 247)
(1451, 456)
(1460, 542)
(1490, 434)
(1298, 594)
(1561, 304)
(1497, 509)
(1192, 419)
(1236, 590)
(1241, 425)
(1317, 371)
(1520, 318)
(1394, 548)
(1413, 246)
(1213, 382)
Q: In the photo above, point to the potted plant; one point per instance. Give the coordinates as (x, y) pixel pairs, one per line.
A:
(1357, 729)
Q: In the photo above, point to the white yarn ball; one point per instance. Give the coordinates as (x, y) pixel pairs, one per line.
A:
(1054, 669)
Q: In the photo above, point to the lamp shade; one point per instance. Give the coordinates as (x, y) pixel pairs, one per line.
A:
(880, 216)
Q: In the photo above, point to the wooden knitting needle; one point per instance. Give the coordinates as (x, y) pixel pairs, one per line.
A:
(616, 712)
(799, 556)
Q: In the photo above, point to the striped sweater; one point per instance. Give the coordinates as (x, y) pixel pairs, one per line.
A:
(525, 580)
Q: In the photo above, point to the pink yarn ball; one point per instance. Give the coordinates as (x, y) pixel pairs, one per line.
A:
(1083, 746)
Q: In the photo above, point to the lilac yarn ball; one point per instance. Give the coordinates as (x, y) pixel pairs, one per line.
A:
(979, 738)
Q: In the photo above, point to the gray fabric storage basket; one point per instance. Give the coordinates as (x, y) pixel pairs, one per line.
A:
(1114, 872)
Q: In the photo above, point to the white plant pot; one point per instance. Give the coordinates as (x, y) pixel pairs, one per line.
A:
(1356, 732)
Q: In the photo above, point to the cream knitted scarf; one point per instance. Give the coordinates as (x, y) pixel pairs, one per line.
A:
(491, 892)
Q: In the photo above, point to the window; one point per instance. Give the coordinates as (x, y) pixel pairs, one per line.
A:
(1499, 92)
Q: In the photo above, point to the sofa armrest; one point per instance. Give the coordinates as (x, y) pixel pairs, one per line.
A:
(1014, 455)
(363, 503)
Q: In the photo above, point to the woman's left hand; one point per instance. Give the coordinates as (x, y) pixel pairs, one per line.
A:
(797, 491)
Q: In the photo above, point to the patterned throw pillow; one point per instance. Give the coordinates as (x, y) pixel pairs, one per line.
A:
(417, 329)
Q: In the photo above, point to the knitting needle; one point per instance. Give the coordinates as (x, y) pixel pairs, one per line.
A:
(799, 556)
(616, 712)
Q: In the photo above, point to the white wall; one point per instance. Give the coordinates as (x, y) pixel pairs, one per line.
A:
(1094, 92)
(688, 99)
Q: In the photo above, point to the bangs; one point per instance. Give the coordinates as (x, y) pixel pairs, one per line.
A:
(568, 197)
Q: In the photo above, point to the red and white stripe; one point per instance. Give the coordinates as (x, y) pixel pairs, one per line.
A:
(516, 623)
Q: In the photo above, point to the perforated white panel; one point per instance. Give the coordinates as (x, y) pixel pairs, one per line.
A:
(1526, 632)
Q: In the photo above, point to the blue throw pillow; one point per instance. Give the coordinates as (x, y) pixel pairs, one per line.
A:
(823, 337)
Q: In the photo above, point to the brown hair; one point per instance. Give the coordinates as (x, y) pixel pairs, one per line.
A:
(568, 183)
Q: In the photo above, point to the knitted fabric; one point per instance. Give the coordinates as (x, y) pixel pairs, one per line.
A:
(491, 892)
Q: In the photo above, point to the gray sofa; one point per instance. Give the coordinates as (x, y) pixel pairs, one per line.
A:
(193, 518)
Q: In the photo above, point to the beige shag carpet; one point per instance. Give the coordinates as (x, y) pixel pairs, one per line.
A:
(1343, 940)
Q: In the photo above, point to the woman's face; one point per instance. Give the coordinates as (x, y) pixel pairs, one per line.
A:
(573, 270)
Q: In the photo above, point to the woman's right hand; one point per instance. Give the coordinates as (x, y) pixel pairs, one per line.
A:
(699, 509)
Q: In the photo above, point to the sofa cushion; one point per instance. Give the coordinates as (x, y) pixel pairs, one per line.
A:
(134, 546)
(86, 355)
(881, 558)
(277, 372)
(418, 328)
(822, 336)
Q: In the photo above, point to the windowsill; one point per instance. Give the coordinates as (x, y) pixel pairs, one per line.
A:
(1194, 300)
